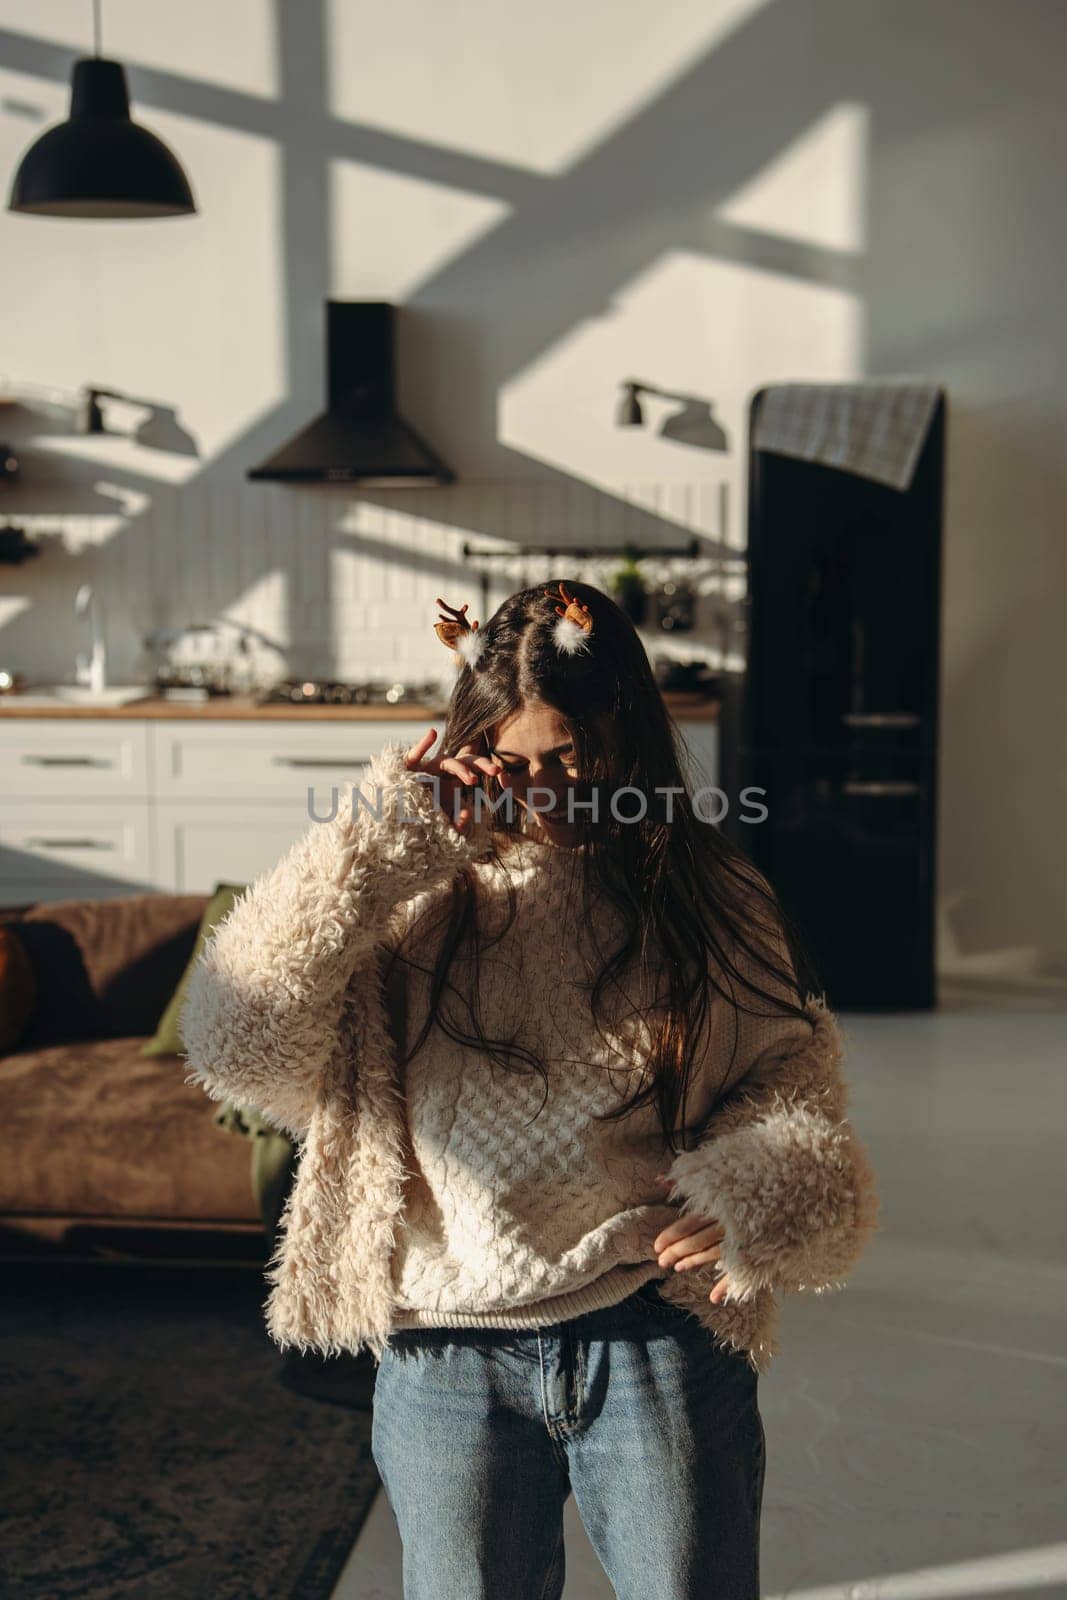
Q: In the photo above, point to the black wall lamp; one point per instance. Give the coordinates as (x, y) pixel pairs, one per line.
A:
(693, 424)
(160, 429)
(100, 163)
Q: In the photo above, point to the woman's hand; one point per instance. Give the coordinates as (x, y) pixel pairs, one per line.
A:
(455, 772)
(692, 1242)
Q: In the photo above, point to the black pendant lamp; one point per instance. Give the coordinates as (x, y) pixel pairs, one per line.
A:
(99, 163)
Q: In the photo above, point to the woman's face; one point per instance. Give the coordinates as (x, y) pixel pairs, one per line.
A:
(536, 751)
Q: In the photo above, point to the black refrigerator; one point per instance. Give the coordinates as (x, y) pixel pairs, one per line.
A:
(839, 712)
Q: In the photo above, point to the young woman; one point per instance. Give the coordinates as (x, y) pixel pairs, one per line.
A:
(568, 1117)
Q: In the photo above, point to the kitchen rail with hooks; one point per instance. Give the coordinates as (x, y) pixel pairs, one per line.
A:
(690, 551)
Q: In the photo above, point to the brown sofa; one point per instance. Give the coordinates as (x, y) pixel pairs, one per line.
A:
(105, 1151)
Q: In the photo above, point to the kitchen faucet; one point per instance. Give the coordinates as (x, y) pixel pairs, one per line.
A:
(91, 669)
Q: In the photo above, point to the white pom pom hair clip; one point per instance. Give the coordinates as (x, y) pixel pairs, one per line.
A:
(470, 646)
(460, 635)
(575, 623)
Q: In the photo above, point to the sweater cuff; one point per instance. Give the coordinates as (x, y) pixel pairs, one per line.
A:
(795, 1193)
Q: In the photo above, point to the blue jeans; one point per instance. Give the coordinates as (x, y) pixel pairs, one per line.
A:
(479, 1435)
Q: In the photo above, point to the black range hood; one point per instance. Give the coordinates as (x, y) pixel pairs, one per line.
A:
(359, 438)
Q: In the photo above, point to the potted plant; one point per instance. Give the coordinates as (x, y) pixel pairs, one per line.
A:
(628, 587)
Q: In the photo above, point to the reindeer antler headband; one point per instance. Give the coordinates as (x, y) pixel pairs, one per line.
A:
(570, 633)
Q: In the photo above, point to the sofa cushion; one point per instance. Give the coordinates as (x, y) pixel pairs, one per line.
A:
(168, 1039)
(98, 1129)
(106, 968)
(18, 989)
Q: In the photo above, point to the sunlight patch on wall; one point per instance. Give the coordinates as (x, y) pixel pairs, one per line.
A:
(710, 329)
(537, 87)
(391, 232)
(12, 606)
(79, 456)
(815, 191)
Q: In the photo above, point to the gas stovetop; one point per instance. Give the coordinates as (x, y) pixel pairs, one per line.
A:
(358, 692)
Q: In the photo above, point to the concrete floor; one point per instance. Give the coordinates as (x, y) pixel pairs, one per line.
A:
(915, 1420)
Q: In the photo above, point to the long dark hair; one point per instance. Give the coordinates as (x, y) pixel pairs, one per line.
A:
(695, 910)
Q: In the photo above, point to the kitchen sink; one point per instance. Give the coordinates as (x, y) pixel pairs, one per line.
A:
(79, 694)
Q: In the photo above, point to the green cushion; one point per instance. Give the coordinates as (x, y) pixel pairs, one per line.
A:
(168, 1040)
(273, 1158)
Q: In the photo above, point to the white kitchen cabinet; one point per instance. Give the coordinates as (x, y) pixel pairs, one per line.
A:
(230, 798)
(96, 807)
(74, 850)
(255, 762)
(199, 844)
(73, 759)
(75, 815)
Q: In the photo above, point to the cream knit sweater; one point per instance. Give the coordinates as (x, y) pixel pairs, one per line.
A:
(517, 1214)
(435, 1194)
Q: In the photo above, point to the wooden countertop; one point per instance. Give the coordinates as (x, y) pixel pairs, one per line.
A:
(244, 708)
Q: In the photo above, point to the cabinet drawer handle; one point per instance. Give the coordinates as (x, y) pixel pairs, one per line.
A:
(881, 719)
(315, 761)
(66, 761)
(888, 788)
(72, 844)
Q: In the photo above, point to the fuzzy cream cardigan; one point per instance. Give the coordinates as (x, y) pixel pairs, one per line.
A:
(435, 1196)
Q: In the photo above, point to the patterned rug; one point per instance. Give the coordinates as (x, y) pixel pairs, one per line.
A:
(156, 1443)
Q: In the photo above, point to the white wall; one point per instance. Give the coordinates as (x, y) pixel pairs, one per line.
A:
(709, 196)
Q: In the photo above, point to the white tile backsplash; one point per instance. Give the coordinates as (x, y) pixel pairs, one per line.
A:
(345, 586)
